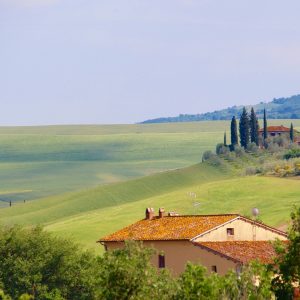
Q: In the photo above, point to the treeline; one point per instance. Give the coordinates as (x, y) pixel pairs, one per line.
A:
(34, 264)
(281, 108)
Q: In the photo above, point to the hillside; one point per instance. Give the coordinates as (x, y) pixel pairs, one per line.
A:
(87, 215)
(281, 108)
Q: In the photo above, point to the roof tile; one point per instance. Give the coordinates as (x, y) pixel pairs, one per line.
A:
(243, 251)
(169, 228)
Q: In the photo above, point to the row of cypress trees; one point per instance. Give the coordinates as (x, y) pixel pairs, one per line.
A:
(248, 129)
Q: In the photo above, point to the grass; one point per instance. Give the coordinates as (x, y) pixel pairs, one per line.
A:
(78, 176)
(55, 159)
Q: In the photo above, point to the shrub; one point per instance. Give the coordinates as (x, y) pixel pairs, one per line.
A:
(251, 171)
(252, 147)
(221, 149)
(239, 151)
(292, 153)
(207, 155)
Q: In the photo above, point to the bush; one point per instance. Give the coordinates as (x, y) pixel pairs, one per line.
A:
(292, 153)
(32, 261)
(239, 151)
(251, 171)
(252, 147)
(128, 274)
(207, 155)
(221, 149)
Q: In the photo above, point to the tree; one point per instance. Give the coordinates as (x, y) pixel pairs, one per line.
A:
(234, 133)
(265, 135)
(288, 260)
(254, 127)
(292, 133)
(225, 139)
(36, 263)
(244, 128)
(128, 274)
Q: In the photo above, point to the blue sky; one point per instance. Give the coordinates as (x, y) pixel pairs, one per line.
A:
(78, 61)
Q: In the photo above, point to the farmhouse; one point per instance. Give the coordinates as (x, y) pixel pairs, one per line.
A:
(219, 242)
(275, 130)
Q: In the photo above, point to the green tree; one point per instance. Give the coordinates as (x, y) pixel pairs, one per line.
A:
(234, 132)
(36, 263)
(265, 134)
(128, 274)
(254, 127)
(244, 128)
(225, 139)
(288, 260)
(292, 133)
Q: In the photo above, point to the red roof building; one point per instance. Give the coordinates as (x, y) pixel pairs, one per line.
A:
(219, 242)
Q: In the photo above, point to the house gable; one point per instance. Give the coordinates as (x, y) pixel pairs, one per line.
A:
(241, 229)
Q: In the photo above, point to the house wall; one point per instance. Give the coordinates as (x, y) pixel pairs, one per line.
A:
(243, 231)
(178, 253)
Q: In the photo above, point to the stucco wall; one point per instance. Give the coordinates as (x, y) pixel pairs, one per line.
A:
(243, 231)
(178, 253)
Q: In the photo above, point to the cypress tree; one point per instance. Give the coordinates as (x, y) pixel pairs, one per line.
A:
(244, 128)
(265, 125)
(254, 127)
(233, 131)
(292, 133)
(225, 139)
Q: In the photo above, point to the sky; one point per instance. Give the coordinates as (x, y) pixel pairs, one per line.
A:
(124, 61)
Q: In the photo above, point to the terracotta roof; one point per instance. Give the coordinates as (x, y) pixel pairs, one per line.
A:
(276, 129)
(242, 251)
(169, 228)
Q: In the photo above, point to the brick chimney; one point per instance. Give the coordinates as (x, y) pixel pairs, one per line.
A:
(149, 213)
(161, 212)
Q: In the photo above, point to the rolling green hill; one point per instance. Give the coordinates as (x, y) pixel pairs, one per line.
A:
(50, 165)
(282, 108)
(87, 215)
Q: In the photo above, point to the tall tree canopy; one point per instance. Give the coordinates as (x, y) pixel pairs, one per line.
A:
(292, 133)
(254, 127)
(234, 133)
(265, 125)
(244, 128)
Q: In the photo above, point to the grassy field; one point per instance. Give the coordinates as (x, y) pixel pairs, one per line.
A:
(36, 162)
(90, 214)
(67, 170)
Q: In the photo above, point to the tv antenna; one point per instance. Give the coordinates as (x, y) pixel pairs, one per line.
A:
(255, 213)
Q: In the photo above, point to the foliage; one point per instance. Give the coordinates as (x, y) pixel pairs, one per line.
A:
(254, 282)
(195, 283)
(292, 133)
(292, 153)
(221, 149)
(265, 134)
(32, 261)
(207, 155)
(254, 128)
(128, 274)
(244, 128)
(288, 260)
(234, 133)
(282, 108)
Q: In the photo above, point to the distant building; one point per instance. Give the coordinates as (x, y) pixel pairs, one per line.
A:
(219, 242)
(275, 130)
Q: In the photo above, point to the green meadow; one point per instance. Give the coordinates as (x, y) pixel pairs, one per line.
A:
(87, 181)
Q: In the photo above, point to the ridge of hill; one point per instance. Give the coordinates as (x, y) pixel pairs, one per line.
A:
(281, 108)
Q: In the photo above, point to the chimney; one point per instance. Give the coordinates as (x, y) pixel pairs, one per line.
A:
(161, 212)
(149, 213)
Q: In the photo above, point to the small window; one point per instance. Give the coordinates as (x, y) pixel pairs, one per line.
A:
(230, 231)
(214, 269)
(161, 261)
